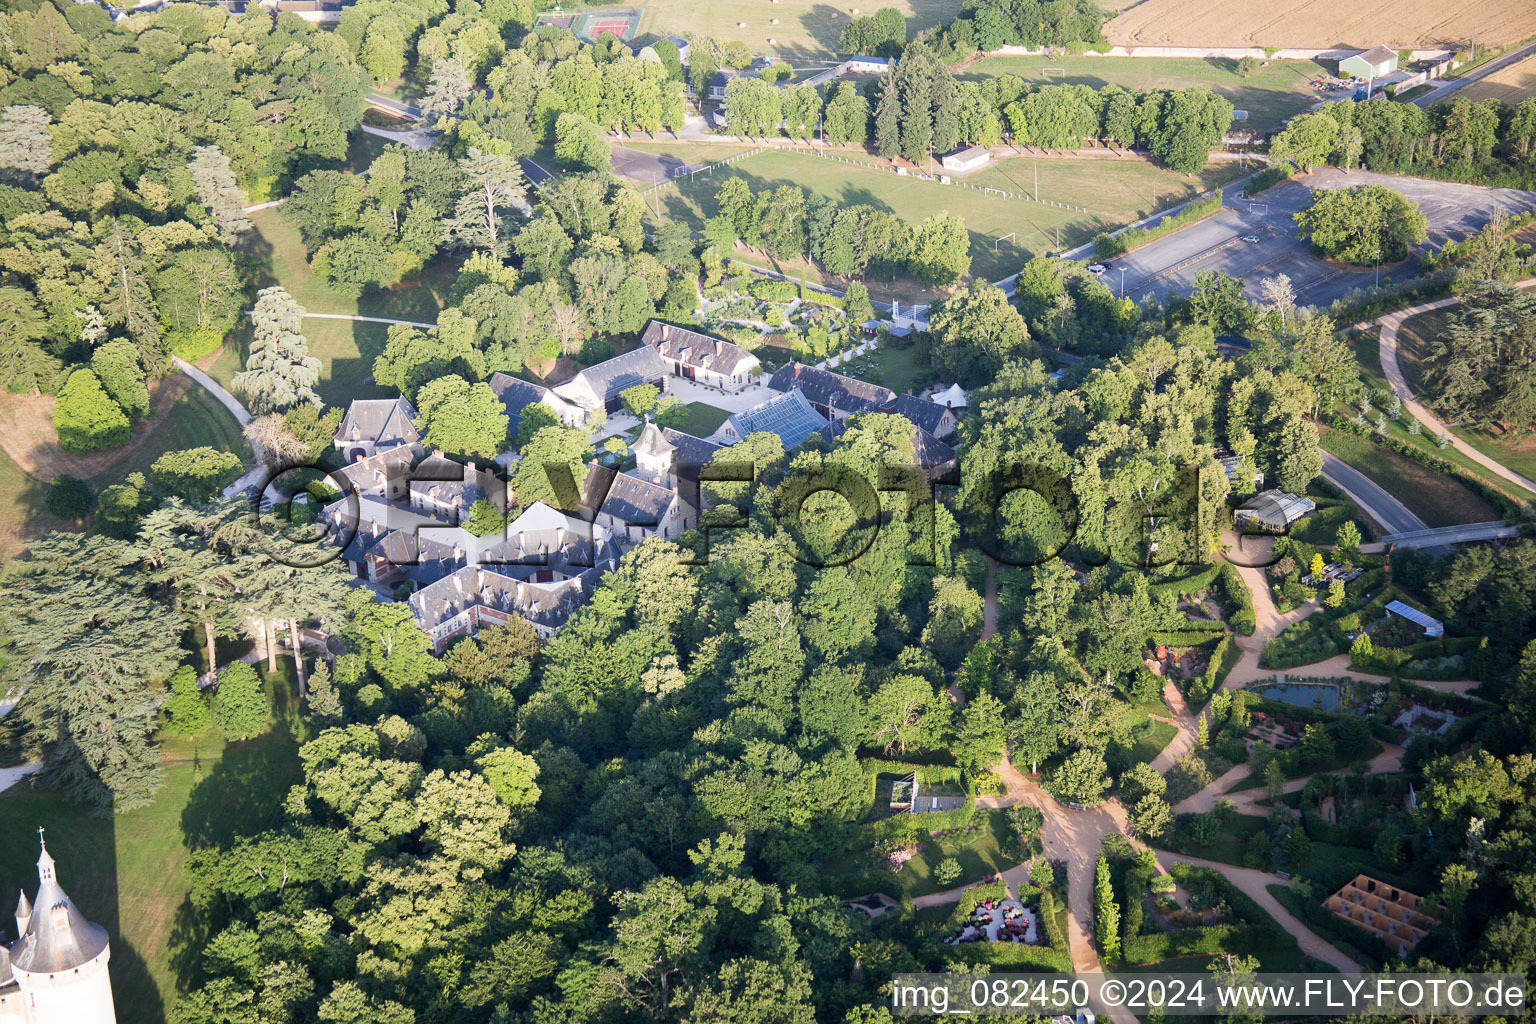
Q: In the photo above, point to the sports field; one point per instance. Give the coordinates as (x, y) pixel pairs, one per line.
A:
(1115, 191)
(1512, 84)
(1270, 95)
(1323, 23)
(806, 28)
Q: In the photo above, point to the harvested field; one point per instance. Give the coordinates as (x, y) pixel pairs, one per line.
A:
(1323, 23)
(1512, 84)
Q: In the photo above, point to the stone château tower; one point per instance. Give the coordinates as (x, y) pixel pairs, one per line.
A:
(56, 970)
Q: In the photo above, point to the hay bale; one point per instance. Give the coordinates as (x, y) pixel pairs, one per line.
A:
(773, 21)
(741, 24)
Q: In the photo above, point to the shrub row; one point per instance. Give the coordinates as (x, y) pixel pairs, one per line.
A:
(1221, 938)
(1236, 593)
(1268, 178)
(1107, 245)
(1013, 954)
(1191, 637)
(1195, 583)
(1451, 252)
(975, 894)
(1197, 691)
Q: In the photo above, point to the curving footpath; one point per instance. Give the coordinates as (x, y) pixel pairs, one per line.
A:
(1390, 324)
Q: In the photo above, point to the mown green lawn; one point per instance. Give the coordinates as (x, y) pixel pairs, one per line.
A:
(125, 872)
(703, 419)
(1004, 232)
(195, 420)
(1270, 95)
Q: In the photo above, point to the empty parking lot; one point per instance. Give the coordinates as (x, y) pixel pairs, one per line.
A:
(1454, 211)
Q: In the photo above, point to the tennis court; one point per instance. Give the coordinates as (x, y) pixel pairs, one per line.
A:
(622, 22)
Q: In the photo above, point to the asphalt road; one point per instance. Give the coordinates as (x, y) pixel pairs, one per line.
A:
(1374, 500)
(1170, 264)
(1450, 88)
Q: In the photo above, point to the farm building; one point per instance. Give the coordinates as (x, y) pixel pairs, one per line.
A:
(1372, 63)
(966, 159)
(1272, 511)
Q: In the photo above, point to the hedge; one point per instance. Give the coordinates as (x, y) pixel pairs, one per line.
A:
(1236, 592)
(1192, 637)
(975, 894)
(929, 773)
(1107, 245)
(1053, 933)
(1268, 178)
(1221, 938)
(1012, 954)
(898, 825)
(1194, 583)
(1197, 692)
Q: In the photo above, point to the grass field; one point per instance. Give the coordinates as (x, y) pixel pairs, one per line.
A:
(1270, 95)
(1414, 340)
(1304, 23)
(126, 872)
(806, 28)
(1437, 499)
(1511, 84)
(345, 348)
(195, 420)
(1115, 191)
(703, 420)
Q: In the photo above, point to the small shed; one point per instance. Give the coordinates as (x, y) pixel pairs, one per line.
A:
(967, 158)
(1432, 626)
(1372, 63)
(864, 65)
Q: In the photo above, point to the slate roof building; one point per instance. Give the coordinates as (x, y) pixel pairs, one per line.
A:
(372, 425)
(445, 489)
(517, 395)
(387, 472)
(474, 597)
(634, 509)
(790, 415)
(599, 386)
(670, 457)
(698, 357)
(938, 420)
(56, 970)
(831, 394)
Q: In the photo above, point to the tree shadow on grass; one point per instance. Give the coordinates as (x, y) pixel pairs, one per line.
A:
(84, 848)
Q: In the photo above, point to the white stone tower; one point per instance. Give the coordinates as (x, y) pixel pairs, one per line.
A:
(56, 970)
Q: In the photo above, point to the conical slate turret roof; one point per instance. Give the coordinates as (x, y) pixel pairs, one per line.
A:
(58, 938)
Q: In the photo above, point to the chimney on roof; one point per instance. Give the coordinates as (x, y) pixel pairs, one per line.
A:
(470, 467)
(797, 371)
(437, 453)
(719, 346)
(665, 329)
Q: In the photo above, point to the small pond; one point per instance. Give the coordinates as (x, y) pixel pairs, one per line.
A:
(1302, 695)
